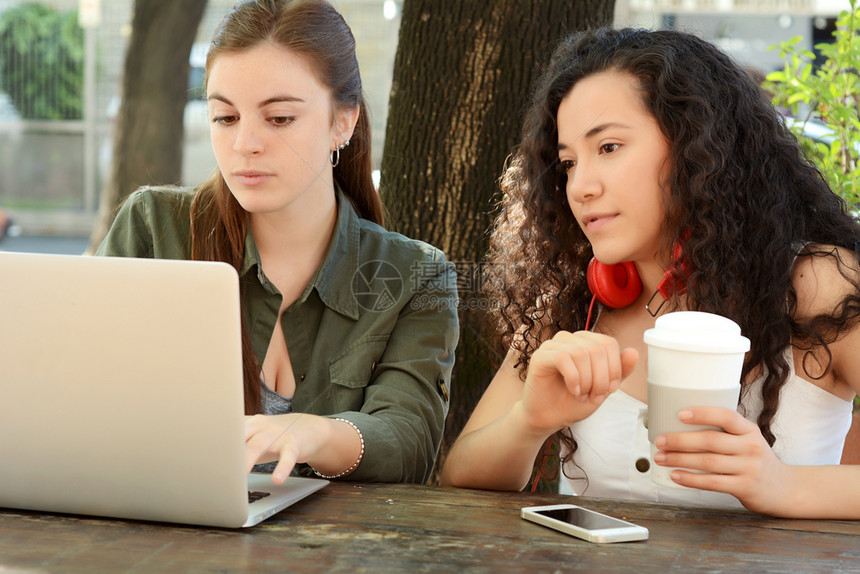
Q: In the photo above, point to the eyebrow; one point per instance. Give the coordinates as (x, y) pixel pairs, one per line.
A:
(263, 104)
(595, 130)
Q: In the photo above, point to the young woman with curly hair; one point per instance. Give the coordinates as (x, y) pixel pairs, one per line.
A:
(654, 147)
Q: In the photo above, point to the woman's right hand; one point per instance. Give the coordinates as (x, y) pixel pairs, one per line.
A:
(570, 375)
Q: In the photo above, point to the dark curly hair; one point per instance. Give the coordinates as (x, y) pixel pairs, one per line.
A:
(739, 183)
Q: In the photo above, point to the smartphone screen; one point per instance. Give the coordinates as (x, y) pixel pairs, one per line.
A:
(584, 518)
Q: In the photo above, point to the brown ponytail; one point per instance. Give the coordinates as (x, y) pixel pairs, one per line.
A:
(218, 229)
(353, 171)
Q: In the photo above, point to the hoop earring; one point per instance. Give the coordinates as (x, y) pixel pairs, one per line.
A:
(334, 155)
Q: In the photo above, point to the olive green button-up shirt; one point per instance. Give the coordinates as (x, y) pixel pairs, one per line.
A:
(371, 339)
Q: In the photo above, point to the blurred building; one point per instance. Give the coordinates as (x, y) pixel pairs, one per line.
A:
(746, 29)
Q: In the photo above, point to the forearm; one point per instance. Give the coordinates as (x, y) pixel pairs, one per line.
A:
(822, 492)
(498, 456)
(341, 449)
(400, 445)
(400, 414)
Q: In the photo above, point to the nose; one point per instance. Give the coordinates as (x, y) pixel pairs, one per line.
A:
(248, 137)
(583, 183)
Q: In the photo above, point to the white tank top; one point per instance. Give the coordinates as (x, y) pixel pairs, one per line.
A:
(810, 426)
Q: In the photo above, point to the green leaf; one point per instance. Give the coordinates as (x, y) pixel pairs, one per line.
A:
(830, 91)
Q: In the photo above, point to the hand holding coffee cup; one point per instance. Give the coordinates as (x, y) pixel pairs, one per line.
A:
(694, 359)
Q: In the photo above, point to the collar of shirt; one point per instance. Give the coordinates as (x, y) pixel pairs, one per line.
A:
(333, 278)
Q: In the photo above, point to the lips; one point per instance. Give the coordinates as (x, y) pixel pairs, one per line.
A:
(251, 177)
(594, 221)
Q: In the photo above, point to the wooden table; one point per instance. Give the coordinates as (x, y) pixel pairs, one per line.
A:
(403, 528)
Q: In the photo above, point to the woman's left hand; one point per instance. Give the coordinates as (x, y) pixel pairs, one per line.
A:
(738, 461)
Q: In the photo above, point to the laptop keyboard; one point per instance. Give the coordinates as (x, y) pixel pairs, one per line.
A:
(255, 495)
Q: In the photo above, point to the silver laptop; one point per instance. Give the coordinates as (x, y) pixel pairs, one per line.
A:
(121, 392)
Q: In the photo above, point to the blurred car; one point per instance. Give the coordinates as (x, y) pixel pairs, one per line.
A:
(8, 113)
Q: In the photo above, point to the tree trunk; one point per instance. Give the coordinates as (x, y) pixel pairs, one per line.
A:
(149, 128)
(462, 77)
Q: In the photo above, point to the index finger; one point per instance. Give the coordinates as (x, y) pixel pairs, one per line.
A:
(283, 468)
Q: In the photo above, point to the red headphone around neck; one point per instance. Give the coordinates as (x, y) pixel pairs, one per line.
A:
(618, 285)
(615, 285)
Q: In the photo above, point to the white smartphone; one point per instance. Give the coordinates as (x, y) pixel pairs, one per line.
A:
(584, 523)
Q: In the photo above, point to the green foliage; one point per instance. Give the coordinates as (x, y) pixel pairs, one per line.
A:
(42, 61)
(829, 94)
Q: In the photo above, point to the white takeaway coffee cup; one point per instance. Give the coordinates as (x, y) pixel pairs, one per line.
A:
(694, 359)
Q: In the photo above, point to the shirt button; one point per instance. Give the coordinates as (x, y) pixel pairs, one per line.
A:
(643, 464)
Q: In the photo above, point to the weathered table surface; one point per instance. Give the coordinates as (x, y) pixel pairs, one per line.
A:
(350, 527)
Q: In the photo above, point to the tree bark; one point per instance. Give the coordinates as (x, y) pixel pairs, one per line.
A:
(149, 129)
(462, 77)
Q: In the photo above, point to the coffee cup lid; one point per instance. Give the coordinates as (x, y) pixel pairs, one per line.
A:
(698, 332)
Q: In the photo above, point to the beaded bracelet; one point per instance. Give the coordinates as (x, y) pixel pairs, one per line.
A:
(357, 461)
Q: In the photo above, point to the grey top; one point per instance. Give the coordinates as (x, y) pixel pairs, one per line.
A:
(271, 403)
